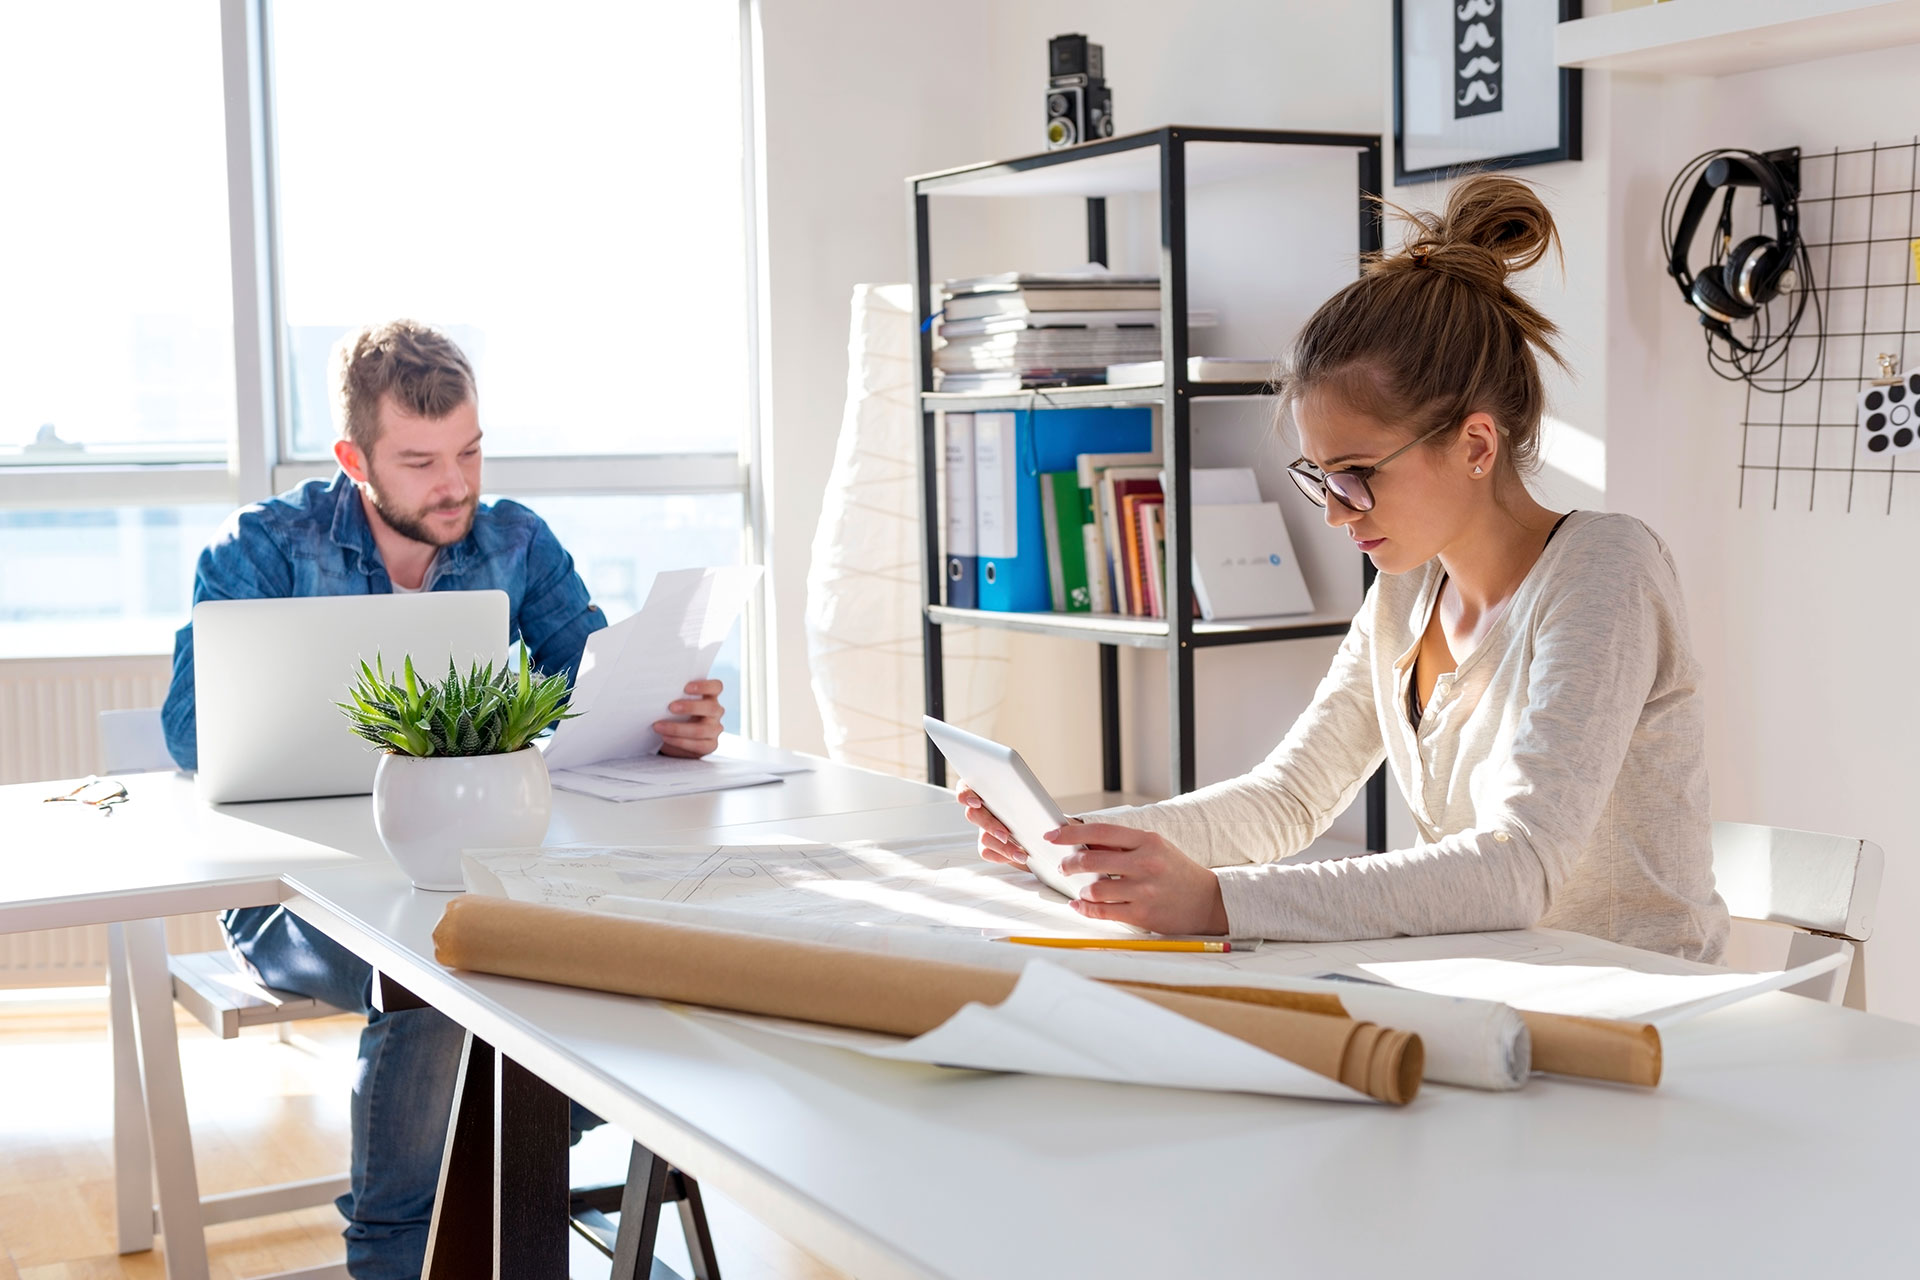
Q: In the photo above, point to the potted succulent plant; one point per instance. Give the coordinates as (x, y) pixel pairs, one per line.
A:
(459, 769)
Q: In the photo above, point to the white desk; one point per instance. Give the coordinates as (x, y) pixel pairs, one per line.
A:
(1782, 1139)
(163, 853)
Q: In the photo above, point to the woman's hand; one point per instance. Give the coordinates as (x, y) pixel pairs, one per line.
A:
(1145, 881)
(699, 734)
(996, 842)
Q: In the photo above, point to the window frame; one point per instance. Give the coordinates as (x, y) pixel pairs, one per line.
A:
(260, 458)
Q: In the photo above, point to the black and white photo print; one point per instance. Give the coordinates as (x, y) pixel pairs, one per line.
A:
(1475, 85)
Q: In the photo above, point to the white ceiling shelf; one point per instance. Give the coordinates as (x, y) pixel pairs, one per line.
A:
(1722, 37)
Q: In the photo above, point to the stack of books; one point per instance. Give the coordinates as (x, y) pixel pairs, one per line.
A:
(1005, 332)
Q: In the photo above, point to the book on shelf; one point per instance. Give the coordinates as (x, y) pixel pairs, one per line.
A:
(1091, 276)
(1027, 302)
(1087, 351)
(1243, 562)
(950, 328)
(1153, 544)
(1066, 555)
(962, 584)
(1151, 372)
(1133, 520)
(1116, 486)
(1006, 384)
(1092, 468)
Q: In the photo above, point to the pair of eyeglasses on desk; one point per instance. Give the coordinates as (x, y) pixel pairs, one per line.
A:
(97, 793)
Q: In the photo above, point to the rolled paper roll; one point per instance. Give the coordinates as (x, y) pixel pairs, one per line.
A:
(1596, 1048)
(1476, 1043)
(840, 986)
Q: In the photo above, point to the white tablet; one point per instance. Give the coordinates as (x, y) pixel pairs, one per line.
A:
(1016, 797)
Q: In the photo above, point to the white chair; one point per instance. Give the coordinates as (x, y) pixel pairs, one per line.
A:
(1823, 887)
(133, 742)
(151, 1139)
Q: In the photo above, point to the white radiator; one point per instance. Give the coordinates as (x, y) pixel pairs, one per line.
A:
(49, 717)
(50, 710)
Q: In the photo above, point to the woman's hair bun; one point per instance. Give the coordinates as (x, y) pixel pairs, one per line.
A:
(1435, 332)
(1497, 216)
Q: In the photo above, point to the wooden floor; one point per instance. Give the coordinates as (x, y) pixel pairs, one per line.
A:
(262, 1112)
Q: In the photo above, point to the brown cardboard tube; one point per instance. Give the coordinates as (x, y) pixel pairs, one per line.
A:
(839, 986)
(1278, 998)
(1594, 1048)
(1599, 1049)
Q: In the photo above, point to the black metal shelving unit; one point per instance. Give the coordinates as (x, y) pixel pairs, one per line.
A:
(1136, 163)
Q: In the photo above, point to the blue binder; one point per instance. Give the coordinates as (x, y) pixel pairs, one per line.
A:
(1011, 451)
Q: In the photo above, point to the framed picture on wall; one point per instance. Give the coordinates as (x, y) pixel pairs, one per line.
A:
(1475, 84)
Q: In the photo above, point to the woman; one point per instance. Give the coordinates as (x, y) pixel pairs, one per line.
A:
(1525, 673)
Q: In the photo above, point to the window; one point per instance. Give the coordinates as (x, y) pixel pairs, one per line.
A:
(619, 543)
(562, 188)
(116, 306)
(98, 581)
(559, 188)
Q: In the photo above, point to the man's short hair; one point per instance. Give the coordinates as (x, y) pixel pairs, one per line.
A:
(415, 363)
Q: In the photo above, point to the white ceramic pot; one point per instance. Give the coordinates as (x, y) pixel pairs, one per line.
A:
(428, 810)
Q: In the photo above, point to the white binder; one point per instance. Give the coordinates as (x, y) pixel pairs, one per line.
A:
(1243, 562)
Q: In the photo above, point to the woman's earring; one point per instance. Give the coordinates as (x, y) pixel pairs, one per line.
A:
(1476, 471)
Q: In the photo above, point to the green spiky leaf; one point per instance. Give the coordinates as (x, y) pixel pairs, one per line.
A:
(488, 710)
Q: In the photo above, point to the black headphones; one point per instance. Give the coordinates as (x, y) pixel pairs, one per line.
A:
(1739, 280)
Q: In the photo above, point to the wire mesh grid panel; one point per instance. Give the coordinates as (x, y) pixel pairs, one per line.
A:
(1805, 445)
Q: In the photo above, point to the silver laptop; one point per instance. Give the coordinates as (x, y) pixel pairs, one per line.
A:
(267, 673)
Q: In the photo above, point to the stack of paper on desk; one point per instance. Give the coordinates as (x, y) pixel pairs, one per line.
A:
(651, 777)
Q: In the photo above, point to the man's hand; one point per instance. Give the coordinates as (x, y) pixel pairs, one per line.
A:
(699, 734)
(1145, 880)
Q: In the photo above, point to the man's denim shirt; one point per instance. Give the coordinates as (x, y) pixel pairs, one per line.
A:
(315, 541)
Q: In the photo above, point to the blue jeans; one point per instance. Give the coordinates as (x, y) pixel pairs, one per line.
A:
(402, 1089)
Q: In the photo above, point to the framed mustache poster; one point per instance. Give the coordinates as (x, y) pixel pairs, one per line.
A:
(1475, 86)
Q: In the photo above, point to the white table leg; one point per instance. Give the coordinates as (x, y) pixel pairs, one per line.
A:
(132, 1155)
(179, 1185)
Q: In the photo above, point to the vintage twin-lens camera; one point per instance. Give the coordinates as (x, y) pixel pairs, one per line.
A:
(1079, 104)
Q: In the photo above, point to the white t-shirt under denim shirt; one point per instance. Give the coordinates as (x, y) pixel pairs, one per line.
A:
(1558, 777)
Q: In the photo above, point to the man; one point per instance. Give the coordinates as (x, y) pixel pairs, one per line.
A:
(404, 515)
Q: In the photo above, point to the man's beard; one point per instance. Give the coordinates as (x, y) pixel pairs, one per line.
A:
(413, 524)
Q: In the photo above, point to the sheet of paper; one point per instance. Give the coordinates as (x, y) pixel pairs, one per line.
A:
(631, 670)
(940, 881)
(1590, 991)
(1057, 1023)
(654, 777)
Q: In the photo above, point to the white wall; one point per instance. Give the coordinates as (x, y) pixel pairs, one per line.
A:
(1798, 616)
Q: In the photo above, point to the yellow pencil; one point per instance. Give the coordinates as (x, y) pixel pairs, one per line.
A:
(1125, 944)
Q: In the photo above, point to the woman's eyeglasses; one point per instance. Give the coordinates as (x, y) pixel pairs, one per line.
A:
(1349, 487)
